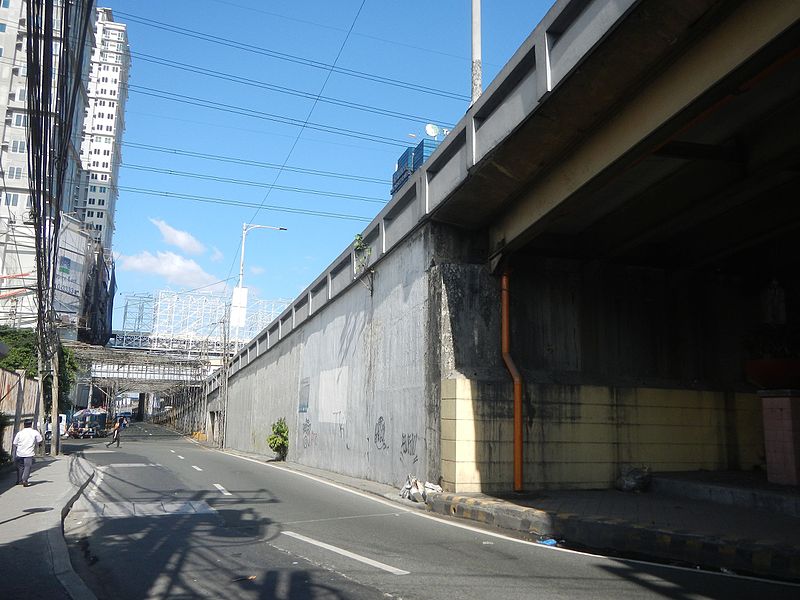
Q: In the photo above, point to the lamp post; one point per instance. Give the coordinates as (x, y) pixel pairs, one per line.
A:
(477, 63)
(245, 228)
(239, 301)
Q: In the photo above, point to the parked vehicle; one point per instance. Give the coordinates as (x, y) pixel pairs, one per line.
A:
(62, 426)
(90, 422)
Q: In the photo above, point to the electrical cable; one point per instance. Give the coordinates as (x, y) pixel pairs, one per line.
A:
(254, 163)
(331, 68)
(245, 182)
(265, 116)
(283, 90)
(225, 202)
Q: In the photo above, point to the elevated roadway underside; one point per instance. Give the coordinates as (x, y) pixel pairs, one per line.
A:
(683, 154)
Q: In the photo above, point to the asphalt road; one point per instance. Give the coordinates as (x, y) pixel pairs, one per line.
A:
(167, 518)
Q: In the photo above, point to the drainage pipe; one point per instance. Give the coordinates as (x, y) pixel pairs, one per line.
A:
(505, 343)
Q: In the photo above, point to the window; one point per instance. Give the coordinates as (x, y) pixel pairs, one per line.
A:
(92, 188)
(22, 95)
(12, 199)
(27, 201)
(102, 189)
(105, 165)
(93, 176)
(91, 200)
(90, 213)
(99, 214)
(101, 201)
(14, 173)
(20, 120)
(5, 3)
(2, 27)
(1, 51)
(98, 227)
(103, 177)
(18, 146)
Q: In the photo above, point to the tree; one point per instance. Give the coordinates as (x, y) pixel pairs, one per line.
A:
(22, 356)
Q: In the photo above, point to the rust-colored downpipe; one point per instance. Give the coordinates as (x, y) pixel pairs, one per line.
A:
(505, 344)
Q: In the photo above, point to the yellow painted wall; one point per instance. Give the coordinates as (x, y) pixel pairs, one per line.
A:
(580, 436)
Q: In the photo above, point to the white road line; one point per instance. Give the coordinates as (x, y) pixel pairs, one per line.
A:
(223, 490)
(173, 451)
(347, 553)
(196, 468)
(179, 456)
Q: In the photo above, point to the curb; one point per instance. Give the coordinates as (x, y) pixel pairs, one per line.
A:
(59, 554)
(758, 557)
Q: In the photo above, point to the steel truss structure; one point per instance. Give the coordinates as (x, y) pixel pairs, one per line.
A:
(188, 323)
(133, 370)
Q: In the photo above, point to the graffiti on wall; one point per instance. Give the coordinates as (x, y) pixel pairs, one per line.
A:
(408, 447)
(380, 434)
(309, 435)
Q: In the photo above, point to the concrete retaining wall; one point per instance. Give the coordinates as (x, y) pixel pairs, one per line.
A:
(350, 380)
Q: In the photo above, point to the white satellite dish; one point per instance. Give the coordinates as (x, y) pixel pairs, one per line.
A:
(432, 130)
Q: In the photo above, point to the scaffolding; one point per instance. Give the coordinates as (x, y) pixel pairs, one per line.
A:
(188, 323)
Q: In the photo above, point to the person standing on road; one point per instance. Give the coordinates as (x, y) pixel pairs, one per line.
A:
(24, 447)
(117, 431)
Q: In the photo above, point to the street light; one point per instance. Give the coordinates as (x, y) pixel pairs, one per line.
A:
(239, 300)
(245, 228)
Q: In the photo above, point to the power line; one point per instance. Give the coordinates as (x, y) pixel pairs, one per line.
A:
(282, 89)
(254, 163)
(257, 114)
(332, 68)
(226, 202)
(272, 186)
(461, 58)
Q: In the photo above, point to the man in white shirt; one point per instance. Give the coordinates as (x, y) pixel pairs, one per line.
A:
(24, 449)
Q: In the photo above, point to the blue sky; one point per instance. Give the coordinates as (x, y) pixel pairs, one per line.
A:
(248, 55)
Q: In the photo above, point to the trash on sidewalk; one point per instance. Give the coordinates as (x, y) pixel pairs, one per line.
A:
(547, 541)
(416, 491)
(633, 479)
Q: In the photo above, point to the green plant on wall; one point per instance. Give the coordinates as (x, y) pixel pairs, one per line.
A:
(278, 441)
(362, 252)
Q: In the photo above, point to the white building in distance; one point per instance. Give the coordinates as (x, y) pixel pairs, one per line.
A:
(103, 125)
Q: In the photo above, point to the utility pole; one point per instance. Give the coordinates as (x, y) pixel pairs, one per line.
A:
(477, 67)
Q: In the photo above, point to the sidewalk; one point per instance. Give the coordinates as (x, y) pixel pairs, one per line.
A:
(33, 553)
(650, 525)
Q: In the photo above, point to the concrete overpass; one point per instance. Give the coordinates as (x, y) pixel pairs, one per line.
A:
(630, 178)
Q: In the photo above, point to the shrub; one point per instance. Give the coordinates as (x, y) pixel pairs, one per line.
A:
(279, 440)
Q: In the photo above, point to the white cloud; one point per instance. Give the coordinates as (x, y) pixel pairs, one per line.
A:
(181, 239)
(216, 254)
(176, 269)
(256, 270)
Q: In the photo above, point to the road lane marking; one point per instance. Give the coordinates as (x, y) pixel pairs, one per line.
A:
(124, 465)
(347, 553)
(196, 468)
(179, 456)
(392, 514)
(223, 490)
(173, 451)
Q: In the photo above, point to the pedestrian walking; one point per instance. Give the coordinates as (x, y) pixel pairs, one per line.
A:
(24, 448)
(117, 431)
